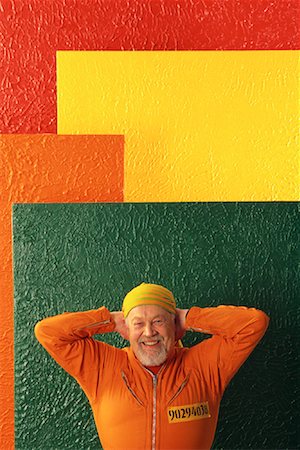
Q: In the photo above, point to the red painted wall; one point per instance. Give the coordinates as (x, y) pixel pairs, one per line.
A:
(33, 30)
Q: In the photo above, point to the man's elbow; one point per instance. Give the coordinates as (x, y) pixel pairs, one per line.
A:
(38, 330)
(262, 321)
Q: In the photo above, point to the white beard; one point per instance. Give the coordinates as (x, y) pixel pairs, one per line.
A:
(152, 360)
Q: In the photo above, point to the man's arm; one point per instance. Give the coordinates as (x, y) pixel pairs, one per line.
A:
(236, 331)
(68, 339)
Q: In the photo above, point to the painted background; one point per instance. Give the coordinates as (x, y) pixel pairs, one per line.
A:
(76, 257)
(200, 125)
(49, 168)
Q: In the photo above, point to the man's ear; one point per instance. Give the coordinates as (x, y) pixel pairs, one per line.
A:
(126, 332)
(125, 329)
(179, 331)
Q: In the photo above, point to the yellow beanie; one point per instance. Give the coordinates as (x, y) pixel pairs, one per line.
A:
(149, 294)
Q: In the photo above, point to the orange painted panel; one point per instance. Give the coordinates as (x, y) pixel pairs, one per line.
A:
(39, 169)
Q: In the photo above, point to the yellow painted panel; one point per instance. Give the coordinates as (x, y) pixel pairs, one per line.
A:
(198, 125)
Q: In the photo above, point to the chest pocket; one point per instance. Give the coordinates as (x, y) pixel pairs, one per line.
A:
(130, 389)
(179, 389)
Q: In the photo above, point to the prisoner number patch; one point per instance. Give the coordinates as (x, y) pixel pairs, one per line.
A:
(186, 413)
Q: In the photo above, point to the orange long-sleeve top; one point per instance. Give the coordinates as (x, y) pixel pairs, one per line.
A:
(132, 407)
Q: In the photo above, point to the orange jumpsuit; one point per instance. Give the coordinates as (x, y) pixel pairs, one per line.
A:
(135, 409)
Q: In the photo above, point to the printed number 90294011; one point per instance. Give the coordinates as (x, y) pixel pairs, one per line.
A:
(186, 413)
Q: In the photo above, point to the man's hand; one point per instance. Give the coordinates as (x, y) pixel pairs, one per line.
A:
(120, 323)
(180, 323)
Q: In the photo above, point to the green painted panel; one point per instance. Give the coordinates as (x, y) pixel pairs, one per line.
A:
(80, 256)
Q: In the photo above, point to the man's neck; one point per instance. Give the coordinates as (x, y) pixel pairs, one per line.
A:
(154, 369)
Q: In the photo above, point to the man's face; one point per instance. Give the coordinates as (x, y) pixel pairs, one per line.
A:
(151, 334)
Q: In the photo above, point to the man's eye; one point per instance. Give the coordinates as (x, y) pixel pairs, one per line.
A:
(158, 322)
(138, 324)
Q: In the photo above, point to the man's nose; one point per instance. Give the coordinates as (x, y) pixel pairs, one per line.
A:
(149, 330)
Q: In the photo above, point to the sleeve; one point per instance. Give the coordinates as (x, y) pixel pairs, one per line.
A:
(236, 331)
(68, 339)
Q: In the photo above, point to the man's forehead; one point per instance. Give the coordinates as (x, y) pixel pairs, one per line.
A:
(148, 311)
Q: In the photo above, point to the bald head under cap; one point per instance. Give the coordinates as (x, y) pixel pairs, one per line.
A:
(149, 294)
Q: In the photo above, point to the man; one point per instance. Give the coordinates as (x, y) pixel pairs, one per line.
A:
(154, 394)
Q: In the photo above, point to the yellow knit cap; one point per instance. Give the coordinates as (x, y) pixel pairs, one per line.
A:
(149, 294)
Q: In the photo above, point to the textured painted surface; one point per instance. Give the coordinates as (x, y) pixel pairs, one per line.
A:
(32, 30)
(46, 168)
(199, 126)
(73, 257)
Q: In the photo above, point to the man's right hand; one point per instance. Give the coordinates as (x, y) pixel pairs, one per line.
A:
(120, 323)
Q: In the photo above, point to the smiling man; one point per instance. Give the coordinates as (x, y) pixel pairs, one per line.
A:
(151, 334)
(154, 394)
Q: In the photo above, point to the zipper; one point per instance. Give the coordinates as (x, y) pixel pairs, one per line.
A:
(180, 389)
(95, 324)
(154, 383)
(154, 413)
(130, 389)
(154, 379)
